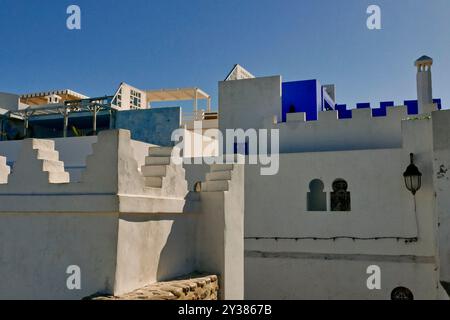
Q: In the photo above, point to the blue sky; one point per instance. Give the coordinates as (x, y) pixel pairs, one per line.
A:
(166, 43)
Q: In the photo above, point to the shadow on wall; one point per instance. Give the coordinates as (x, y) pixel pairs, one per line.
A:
(178, 256)
(161, 246)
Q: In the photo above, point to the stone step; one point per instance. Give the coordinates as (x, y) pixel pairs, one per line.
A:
(218, 175)
(160, 151)
(58, 177)
(52, 166)
(153, 171)
(157, 160)
(43, 154)
(221, 167)
(43, 144)
(153, 182)
(215, 186)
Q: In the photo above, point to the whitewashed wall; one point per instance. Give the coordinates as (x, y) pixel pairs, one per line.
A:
(441, 176)
(329, 133)
(36, 250)
(249, 103)
(122, 234)
(381, 206)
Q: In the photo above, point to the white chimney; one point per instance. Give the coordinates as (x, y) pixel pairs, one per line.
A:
(424, 85)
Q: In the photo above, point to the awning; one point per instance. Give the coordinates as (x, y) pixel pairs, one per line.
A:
(179, 94)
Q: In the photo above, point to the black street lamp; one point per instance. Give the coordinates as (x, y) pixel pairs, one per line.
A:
(413, 177)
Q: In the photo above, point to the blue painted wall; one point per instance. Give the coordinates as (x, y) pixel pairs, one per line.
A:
(382, 110)
(304, 96)
(363, 105)
(413, 105)
(151, 125)
(343, 113)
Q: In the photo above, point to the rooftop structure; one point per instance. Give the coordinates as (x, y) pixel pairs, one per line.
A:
(179, 94)
(238, 73)
(49, 97)
(65, 113)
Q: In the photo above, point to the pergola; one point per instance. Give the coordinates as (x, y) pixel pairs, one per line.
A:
(179, 94)
(40, 98)
(93, 105)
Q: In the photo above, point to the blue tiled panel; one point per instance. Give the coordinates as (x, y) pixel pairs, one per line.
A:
(150, 125)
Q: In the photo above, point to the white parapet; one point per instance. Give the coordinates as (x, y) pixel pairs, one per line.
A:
(115, 214)
(328, 116)
(329, 133)
(37, 165)
(297, 116)
(111, 178)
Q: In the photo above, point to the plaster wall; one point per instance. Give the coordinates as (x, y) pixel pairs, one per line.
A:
(220, 236)
(319, 277)
(283, 237)
(36, 250)
(152, 248)
(72, 151)
(249, 103)
(282, 212)
(195, 144)
(441, 177)
(117, 253)
(329, 133)
(154, 233)
(195, 172)
(9, 101)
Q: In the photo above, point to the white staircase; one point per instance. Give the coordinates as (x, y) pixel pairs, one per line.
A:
(160, 165)
(218, 179)
(49, 158)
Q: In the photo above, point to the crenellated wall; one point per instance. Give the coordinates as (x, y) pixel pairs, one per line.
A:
(329, 133)
(327, 252)
(128, 222)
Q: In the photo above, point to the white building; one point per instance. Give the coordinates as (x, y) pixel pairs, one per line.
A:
(337, 220)
(339, 203)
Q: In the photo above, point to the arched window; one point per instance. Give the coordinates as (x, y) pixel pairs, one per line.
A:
(316, 198)
(291, 109)
(198, 186)
(402, 293)
(340, 197)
